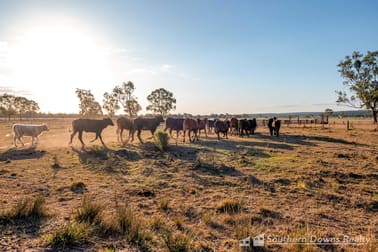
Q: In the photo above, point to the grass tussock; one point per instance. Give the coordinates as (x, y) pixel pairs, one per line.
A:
(177, 242)
(163, 205)
(28, 208)
(229, 206)
(161, 140)
(132, 227)
(89, 211)
(71, 234)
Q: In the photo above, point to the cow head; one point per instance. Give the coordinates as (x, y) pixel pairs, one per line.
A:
(45, 128)
(108, 121)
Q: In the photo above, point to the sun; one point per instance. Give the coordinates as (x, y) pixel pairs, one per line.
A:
(58, 58)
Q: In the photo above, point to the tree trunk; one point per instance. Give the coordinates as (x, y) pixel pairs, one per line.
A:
(375, 113)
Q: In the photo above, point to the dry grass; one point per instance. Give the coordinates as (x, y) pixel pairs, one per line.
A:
(27, 208)
(202, 196)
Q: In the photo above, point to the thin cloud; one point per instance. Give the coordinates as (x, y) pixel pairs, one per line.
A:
(10, 90)
(166, 67)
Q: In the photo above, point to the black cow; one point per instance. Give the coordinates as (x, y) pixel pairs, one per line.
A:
(277, 126)
(252, 126)
(243, 127)
(221, 127)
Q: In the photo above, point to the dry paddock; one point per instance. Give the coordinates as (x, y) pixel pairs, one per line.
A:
(310, 181)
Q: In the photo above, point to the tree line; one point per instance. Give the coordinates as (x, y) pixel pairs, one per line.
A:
(360, 73)
(11, 105)
(161, 101)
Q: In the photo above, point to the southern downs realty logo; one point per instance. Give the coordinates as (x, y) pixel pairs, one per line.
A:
(263, 239)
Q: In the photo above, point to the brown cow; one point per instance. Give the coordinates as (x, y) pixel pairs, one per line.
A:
(146, 123)
(124, 123)
(174, 124)
(234, 124)
(190, 125)
(202, 125)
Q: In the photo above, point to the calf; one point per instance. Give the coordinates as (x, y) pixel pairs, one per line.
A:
(146, 123)
(90, 125)
(20, 130)
(124, 123)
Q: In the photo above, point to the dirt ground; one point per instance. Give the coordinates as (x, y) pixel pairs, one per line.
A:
(309, 182)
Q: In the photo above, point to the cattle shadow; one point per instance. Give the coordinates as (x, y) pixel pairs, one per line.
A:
(286, 139)
(21, 154)
(22, 227)
(98, 154)
(330, 140)
(215, 169)
(237, 145)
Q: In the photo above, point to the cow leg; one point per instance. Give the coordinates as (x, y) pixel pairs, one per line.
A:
(271, 131)
(128, 138)
(190, 140)
(184, 136)
(72, 135)
(117, 133)
(218, 135)
(120, 135)
(15, 141)
(138, 135)
(81, 139)
(22, 142)
(36, 140)
(102, 141)
(132, 135)
(95, 138)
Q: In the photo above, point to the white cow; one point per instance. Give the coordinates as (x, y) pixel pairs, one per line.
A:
(20, 130)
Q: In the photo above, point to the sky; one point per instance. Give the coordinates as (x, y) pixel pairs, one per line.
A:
(215, 56)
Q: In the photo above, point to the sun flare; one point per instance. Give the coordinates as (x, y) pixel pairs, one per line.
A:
(59, 57)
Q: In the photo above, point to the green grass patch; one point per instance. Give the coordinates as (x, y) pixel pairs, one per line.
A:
(161, 140)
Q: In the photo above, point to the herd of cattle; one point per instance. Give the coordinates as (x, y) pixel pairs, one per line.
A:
(191, 127)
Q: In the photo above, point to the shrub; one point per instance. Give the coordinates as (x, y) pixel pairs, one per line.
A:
(161, 140)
